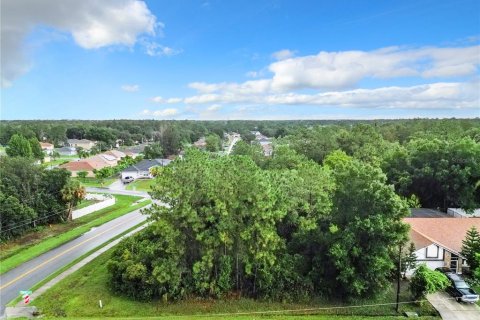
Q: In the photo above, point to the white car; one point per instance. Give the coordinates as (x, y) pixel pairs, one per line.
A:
(127, 179)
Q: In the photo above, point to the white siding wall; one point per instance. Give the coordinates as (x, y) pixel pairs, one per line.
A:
(92, 208)
(431, 262)
(133, 174)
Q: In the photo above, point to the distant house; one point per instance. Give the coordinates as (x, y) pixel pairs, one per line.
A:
(82, 143)
(460, 213)
(438, 241)
(133, 151)
(96, 162)
(66, 151)
(200, 143)
(47, 148)
(141, 170)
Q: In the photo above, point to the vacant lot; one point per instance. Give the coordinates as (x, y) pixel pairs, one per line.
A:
(35, 243)
(78, 296)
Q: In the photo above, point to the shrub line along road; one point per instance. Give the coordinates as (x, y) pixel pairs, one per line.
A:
(28, 274)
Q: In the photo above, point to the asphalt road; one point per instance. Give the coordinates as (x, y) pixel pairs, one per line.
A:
(28, 274)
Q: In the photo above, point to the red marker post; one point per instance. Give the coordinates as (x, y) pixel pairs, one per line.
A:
(26, 296)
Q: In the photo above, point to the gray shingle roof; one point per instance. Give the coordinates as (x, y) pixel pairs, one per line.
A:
(146, 164)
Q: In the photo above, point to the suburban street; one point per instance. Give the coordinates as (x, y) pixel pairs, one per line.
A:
(28, 274)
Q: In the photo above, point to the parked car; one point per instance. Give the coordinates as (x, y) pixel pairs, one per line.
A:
(444, 270)
(128, 179)
(460, 290)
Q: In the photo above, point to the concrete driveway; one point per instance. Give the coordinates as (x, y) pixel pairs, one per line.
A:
(450, 309)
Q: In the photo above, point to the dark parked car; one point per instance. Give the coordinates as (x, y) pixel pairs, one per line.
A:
(444, 270)
(460, 290)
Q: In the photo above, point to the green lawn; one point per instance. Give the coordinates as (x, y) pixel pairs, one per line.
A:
(34, 244)
(98, 183)
(78, 296)
(85, 203)
(141, 185)
(59, 161)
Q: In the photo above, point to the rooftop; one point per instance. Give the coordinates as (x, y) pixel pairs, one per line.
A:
(446, 232)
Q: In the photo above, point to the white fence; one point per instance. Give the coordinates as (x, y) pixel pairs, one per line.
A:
(105, 201)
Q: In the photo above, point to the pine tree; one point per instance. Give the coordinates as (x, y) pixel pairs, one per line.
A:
(471, 246)
(410, 259)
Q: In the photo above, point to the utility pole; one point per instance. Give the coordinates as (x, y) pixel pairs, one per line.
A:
(399, 271)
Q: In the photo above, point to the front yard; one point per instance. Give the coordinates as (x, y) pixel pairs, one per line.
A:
(141, 185)
(97, 183)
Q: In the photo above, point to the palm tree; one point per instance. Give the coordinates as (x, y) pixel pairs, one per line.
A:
(72, 193)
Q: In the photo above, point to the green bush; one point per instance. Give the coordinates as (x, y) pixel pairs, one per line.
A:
(425, 281)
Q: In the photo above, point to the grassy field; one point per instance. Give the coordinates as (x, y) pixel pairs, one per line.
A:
(78, 296)
(34, 244)
(85, 203)
(59, 161)
(141, 185)
(94, 182)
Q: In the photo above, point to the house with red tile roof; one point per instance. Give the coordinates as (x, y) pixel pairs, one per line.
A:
(438, 241)
(96, 162)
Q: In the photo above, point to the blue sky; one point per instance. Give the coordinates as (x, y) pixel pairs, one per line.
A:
(239, 59)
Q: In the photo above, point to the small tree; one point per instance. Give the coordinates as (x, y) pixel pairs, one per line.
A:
(409, 260)
(425, 281)
(470, 247)
(19, 146)
(55, 155)
(72, 193)
(82, 174)
(153, 151)
(214, 143)
(37, 151)
(476, 273)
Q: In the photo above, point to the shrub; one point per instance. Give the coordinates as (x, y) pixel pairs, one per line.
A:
(425, 281)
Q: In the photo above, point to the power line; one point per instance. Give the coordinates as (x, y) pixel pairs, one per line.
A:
(296, 310)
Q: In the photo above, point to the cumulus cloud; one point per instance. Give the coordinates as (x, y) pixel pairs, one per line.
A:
(92, 24)
(161, 100)
(345, 69)
(441, 95)
(214, 107)
(161, 113)
(155, 49)
(130, 87)
(283, 54)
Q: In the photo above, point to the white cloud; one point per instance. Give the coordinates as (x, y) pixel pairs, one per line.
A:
(93, 24)
(155, 49)
(441, 95)
(164, 113)
(344, 70)
(283, 54)
(161, 100)
(214, 107)
(130, 87)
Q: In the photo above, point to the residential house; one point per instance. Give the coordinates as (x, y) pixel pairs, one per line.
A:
(66, 151)
(82, 143)
(438, 241)
(47, 148)
(133, 151)
(460, 213)
(141, 170)
(96, 162)
(200, 143)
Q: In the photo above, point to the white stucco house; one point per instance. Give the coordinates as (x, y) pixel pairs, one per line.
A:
(438, 241)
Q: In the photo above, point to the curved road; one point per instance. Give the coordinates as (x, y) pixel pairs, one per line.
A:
(28, 274)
